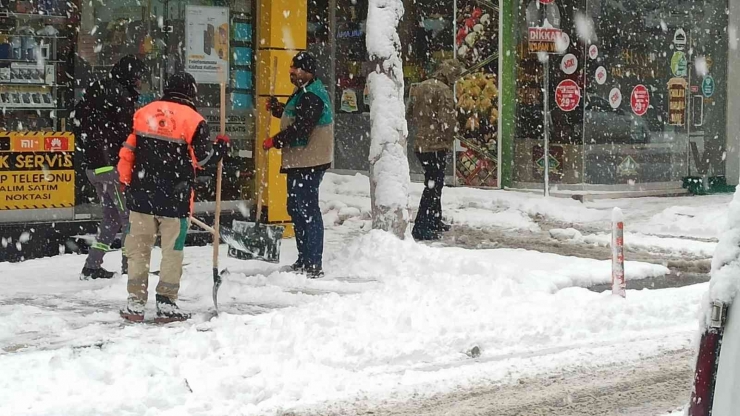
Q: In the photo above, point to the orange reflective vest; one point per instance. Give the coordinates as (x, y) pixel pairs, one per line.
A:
(163, 124)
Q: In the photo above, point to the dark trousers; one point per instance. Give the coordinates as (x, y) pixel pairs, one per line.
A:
(303, 207)
(429, 217)
(115, 216)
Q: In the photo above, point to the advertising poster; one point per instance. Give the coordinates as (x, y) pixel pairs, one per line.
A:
(36, 170)
(477, 94)
(677, 101)
(207, 43)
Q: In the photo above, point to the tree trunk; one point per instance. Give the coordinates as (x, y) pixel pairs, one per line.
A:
(389, 166)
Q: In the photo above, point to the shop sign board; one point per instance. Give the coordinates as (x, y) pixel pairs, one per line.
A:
(628, 167)
(569, 64)
(615, 98)
(677, 101)
(207, 43)
(567, 95)
(593, 52)
(679, 64)
(547, 39)
(707, 86)
(600, 75)
(36, 170)
(640, 100)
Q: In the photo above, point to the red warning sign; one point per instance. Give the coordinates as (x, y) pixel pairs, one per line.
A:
(567, 95)
(640, 100)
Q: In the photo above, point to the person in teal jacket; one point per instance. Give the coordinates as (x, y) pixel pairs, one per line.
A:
(307, 141)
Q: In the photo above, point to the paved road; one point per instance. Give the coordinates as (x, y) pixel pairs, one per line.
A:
(650, 387)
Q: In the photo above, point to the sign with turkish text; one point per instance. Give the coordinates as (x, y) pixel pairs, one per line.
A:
(542, 39)
(36, 170)
(567, 95)
(593, 52)
(600, 75)
(615, 98)
(569, 64)
(677, 101)
(640, 100)
(207, 43)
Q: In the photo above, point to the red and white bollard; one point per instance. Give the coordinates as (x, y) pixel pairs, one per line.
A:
(619, 287)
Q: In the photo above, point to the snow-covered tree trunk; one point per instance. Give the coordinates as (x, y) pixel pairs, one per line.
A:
(389, 166)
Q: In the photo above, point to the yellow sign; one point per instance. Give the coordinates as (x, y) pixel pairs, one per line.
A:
(36, 170)
(677, 101)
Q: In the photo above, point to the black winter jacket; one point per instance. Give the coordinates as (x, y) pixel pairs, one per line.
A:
(103, 119)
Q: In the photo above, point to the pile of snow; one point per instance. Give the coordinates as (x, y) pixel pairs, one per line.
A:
(568, 234)
(725, 282)
(473, 207)
(391, 313)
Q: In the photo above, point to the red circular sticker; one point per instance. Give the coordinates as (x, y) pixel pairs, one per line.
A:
(567, 95)
(640, 100)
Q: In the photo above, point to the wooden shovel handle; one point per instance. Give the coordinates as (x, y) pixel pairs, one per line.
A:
(219, 174)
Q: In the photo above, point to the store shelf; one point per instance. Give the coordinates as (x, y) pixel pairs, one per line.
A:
(4, 108)
(33, 36)
(4, 14)
(27, 61)
(29, 84)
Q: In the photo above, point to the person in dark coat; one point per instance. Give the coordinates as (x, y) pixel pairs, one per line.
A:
(431, 109)
(169, 142)
(104, 118)
(307, 141)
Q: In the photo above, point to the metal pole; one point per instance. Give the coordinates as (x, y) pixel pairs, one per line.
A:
(454, 90)
(546, 66)
(499, 100)
(332, 63)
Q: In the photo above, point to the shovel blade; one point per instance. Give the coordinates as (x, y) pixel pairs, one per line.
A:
(216, 284)
(253, 241)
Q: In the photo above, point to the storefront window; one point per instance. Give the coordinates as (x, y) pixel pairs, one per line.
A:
(476, 43)
(159, 32)
(649, 106)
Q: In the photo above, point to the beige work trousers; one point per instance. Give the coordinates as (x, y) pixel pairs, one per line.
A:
(139, 242)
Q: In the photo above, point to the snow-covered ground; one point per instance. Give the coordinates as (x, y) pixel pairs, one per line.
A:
(390, 320)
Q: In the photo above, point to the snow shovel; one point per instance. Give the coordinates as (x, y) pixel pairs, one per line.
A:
(217, 276)
(256, 240)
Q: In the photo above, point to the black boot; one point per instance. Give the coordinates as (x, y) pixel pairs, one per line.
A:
(296, 267)
(124, 265)
(425, 235)
(168, 311)
(314, 271)
(92, 274)
(442, 227)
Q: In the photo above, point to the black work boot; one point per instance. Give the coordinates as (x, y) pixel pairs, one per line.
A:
(314, 271)
(92, 274)
(296, 267)
(168, 311)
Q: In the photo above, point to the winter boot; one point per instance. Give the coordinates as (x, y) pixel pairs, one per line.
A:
(124, 265)
(314, 271)
(167, 311)
(296, 267)
(442, 227)
(134, 311)
(89, 273)
(425, 235)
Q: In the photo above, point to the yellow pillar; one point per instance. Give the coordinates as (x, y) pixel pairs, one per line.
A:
(281, 34)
